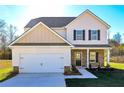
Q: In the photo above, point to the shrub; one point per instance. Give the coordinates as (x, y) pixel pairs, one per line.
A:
(108, 66)
(74, 69)
(6, 54)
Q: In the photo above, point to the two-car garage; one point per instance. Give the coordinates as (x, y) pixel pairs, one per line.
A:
(40, 50)
(40, 63)
(41, 60)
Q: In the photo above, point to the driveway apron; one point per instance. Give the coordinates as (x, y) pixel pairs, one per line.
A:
(36, 80)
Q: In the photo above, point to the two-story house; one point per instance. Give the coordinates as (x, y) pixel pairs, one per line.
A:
(51, 43)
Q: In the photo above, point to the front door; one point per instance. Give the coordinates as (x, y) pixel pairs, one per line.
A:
(78, 58)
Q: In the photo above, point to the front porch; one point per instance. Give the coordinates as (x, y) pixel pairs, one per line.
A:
(90, 57)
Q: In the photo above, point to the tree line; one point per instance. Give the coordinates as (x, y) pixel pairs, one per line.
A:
(117, 51)
(7, 35)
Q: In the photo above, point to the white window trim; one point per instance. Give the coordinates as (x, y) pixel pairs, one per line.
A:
(80, 35)
(95, 57)
(95, 34)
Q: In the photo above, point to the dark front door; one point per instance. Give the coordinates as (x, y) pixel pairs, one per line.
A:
(78, 58)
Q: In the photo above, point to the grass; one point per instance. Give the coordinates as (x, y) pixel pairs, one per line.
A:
(5, 64)
(117, 65)
(4, 73)
(5, 69)
(108, 78)
(105, 79)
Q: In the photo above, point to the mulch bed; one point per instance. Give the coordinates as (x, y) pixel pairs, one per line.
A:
(72, 73)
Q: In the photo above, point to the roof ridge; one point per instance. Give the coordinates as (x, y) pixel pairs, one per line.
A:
(51, 21)
(56, 17)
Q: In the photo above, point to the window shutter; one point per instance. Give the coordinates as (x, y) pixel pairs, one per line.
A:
(89, 34)
(83, 34)
(98, 34)
(74, 34)
(97, 57)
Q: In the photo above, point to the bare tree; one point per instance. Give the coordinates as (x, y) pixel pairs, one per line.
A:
(3, 45)
(3, 41)
(2, 35)
(117, 37)
(11, 33)
(7, 35)
(2, 26)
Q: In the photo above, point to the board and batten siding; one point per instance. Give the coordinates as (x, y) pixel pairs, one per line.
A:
(87, 22)
(40, 34)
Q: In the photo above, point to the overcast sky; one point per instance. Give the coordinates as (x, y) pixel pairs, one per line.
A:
(21, 15)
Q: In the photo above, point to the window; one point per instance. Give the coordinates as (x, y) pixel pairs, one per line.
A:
(94, 35)
(92, 57)
(79, 34)
(78, 55)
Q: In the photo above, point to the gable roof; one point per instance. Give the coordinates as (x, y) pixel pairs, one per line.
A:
(91, 13)
(51, 21)
(25, 33)
(60, 21)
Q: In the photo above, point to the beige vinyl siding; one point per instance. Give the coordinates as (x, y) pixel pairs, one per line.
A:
(87, 22)
(60, 31)
(40, 34)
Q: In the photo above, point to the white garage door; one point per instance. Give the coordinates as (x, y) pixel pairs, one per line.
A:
(41, 63)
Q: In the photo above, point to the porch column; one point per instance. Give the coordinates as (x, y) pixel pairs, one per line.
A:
(87, 58)
(108, 56)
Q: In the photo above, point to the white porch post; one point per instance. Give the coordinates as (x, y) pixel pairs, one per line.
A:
(87, 58)
(108, 56)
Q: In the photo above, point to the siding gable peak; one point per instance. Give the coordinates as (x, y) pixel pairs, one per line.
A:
(57, 37)
(92, 14)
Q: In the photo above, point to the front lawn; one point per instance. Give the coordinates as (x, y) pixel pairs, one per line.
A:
(4, 73)
(105, 79)
(113, 78)
(6, 70)
(117, 65)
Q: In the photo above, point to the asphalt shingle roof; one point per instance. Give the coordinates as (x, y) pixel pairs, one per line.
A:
(51, 21)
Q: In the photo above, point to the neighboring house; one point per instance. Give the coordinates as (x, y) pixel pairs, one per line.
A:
(51, 43)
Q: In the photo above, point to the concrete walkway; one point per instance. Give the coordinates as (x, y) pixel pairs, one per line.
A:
(36, 80)
(84, 72)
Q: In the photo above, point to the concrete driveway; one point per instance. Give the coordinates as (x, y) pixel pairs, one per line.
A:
(36, 80)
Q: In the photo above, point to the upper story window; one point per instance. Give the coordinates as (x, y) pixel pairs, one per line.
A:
(94, 34)
(79, 34)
